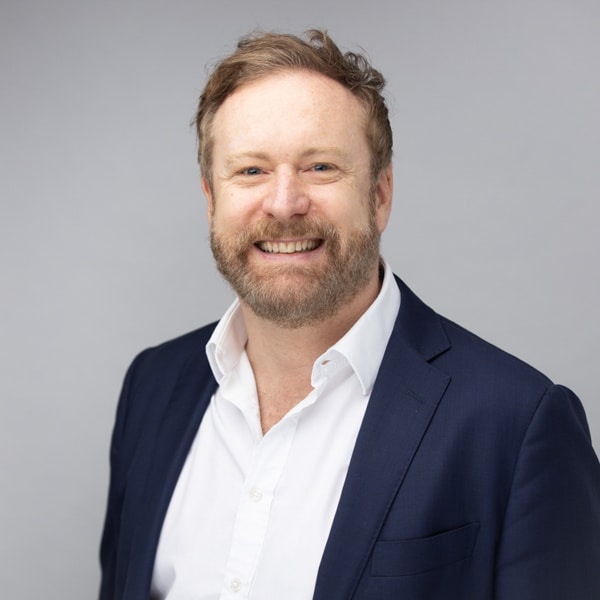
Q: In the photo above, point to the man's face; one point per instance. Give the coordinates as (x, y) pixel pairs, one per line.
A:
(295, 217)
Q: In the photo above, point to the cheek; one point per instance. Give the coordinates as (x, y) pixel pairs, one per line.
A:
(230, 212)
(230, 224)
(354, 216)
(348, 208)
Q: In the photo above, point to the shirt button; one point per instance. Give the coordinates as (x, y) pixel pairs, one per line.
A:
(255, 494)
(235, 585)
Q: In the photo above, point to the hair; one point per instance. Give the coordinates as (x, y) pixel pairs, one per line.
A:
(261, 54)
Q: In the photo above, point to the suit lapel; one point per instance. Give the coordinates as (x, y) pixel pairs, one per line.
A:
(167, 450)
(404, 398)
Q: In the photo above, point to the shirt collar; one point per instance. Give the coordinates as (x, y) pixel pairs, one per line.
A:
(362, 346)
(227, 342)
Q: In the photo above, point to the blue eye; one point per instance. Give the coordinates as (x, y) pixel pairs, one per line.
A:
(321, 167)
(252, 171)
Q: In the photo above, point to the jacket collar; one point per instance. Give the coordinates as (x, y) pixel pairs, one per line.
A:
(406, 394)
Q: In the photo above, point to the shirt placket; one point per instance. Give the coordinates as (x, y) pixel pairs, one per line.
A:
(254, 509)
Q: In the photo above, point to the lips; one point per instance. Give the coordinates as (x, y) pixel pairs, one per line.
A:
(288, 247)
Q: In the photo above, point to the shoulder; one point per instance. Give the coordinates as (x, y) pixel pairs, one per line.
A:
(174, 353)
(155, 373)
(497, 394)
(460, 352)
(154, 377)
(487, 385)
(494, 383)
(478, 357)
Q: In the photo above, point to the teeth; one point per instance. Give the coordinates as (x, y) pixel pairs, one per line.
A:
(288, 247)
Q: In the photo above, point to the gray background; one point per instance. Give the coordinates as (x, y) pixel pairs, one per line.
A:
(103, 236)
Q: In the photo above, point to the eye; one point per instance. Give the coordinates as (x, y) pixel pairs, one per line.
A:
(323, 172)
(251, 171)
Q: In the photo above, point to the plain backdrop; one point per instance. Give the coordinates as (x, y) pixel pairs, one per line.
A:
(495, 110)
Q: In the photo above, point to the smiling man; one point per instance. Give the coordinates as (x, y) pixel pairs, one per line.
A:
(332, 437)
(295, 219)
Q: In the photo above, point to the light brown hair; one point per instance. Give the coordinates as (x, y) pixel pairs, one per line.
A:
(258, 55)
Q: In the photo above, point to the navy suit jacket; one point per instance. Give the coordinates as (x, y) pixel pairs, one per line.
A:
(473, 476)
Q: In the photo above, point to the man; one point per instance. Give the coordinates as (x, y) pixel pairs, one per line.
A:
(332, 437)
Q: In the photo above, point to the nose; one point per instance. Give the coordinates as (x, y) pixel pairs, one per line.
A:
(287, 196)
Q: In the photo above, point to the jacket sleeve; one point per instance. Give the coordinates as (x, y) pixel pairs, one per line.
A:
(110, 536)
(550, 544)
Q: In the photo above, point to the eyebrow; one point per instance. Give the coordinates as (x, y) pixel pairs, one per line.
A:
(256, 155)
(323, 150)
(241, 156)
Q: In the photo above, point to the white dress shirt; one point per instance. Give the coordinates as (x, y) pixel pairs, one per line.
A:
(251, 513)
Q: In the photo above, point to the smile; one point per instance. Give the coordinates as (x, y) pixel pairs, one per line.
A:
(288, 247)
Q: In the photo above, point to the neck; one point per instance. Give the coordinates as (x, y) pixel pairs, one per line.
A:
(282, 358)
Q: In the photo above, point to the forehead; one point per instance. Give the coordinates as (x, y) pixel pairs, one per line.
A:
(291, 107)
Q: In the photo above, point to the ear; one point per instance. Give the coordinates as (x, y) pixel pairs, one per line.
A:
(384, 188)
(210, 203)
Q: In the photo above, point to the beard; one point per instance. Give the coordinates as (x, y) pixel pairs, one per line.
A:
(294, 296)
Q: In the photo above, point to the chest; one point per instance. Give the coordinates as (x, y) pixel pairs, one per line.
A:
(251, 510)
